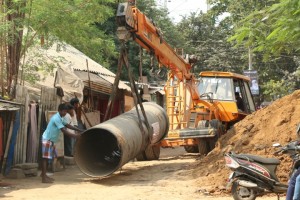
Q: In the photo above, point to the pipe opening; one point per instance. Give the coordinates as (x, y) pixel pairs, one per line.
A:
(97, 153)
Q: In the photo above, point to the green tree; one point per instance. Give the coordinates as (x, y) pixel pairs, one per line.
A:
(75, 22)
(272, 32)
(12, 19)
(72, 22)
(207, 38)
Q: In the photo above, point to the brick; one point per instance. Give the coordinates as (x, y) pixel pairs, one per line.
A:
(69, 160)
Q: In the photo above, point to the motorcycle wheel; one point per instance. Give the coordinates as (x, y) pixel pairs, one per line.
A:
(242, 193)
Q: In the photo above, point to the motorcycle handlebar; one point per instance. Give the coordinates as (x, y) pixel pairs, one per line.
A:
(287, 148)
(277, 152)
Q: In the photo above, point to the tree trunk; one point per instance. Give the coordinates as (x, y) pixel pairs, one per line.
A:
(2, 48)
(15, 35)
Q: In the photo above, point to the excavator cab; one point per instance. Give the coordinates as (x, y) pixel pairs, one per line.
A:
(216, 88)
(228, 89)
(224, 99)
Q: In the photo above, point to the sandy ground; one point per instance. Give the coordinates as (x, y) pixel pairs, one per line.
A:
(166, 178)
(177, 175)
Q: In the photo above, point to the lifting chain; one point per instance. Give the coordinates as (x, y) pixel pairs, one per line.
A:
(123, 59)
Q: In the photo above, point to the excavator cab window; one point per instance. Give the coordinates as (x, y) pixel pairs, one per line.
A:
(216, 88)
(242, 87)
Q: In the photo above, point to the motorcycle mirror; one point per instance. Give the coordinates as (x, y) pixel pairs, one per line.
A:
(276, 145)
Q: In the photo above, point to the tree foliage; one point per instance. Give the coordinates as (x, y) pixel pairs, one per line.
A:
(273, 30)
(12, 15)
(270, 28)
(75, 22)
(273, 33)
(207, 39)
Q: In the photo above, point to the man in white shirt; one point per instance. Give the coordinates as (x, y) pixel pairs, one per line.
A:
(71, 119)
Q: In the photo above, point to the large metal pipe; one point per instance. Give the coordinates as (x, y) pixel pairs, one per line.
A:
(104, 148)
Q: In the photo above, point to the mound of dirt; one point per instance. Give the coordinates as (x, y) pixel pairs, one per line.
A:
(255, 134)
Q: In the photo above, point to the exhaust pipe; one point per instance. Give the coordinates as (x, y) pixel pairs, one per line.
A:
(247, 184)
(106, 147)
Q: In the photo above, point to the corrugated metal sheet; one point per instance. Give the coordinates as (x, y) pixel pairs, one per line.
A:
(97, 83)
(9, 106)
(76, 60)
(122, 84)
(70, 57)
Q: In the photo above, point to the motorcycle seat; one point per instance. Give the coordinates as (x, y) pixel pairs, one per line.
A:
(259, 159)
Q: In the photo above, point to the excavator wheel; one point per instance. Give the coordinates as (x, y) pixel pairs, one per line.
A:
(191, 149)
(212, 143)
(141, 157)
(151, 153)
(217, 125)
(203, 146)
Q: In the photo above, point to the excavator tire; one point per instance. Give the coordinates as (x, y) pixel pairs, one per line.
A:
(217, 125)
(203, 146)
(191, 149)
(141, 157)
(151, 153)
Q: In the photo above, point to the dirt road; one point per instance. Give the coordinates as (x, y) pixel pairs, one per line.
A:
(167, 178)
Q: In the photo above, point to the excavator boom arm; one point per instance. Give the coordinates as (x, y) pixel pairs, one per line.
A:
(134, 24)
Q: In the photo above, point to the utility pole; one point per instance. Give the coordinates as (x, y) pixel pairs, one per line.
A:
(250, 58)
(165, 4)
(207, 6)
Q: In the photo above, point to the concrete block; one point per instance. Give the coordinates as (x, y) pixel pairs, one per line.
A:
(16, 173)
(69, 160)
(27, 166)
(30, 172)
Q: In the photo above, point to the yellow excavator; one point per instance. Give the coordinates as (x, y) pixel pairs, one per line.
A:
(201, 109)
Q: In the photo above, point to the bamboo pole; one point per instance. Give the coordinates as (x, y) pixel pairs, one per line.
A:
(25, 125)
(90, 94)
(87, 119)
(18, 139)
(2, 66)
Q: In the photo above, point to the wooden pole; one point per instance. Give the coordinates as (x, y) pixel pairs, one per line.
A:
(2, 65)
(86, 118)
(8, 143)
(90, 94)
(110, 104)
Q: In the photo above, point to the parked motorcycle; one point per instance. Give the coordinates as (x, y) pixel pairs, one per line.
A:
(254, 176)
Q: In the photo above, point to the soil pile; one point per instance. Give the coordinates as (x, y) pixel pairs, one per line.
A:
(255, 134)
